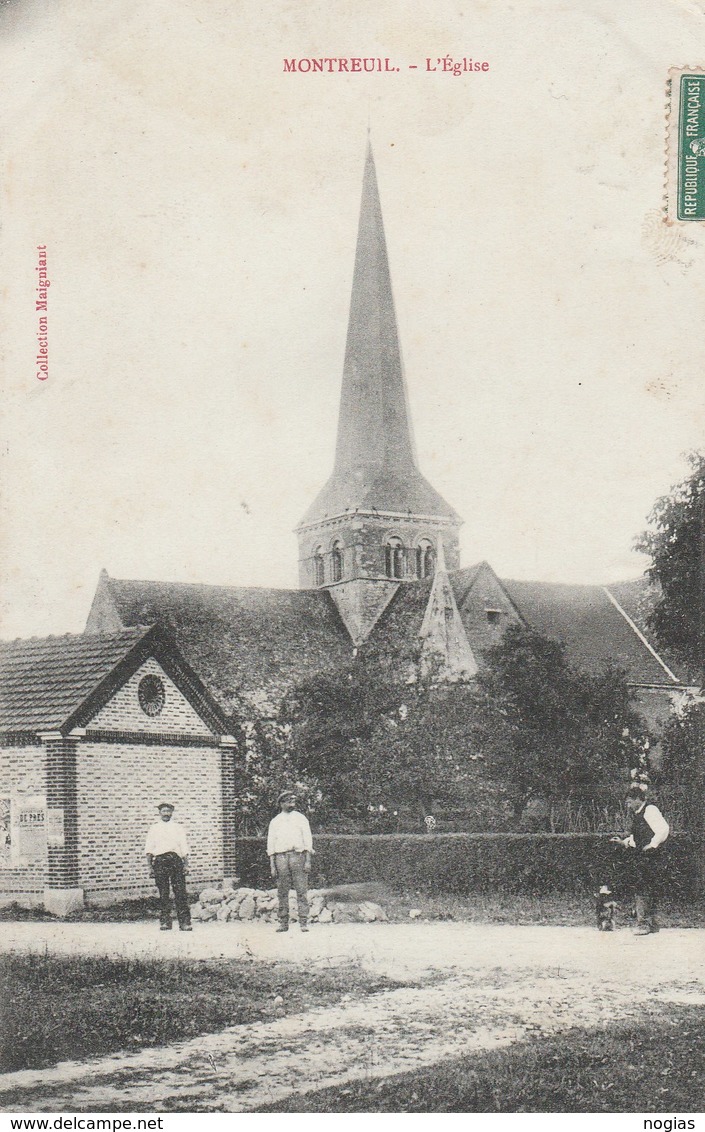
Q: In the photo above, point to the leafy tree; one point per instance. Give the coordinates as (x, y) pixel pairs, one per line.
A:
(369, 745)
(682, 743)
(377, 744)
(425, 753)
(675, 545)
(544, 727)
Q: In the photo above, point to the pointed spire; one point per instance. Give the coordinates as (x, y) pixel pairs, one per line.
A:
(442, 630)
(375, 460)
(373, 428)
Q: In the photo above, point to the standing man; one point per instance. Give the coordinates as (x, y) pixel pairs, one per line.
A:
(167, 859)
(649, 830)
(289, 848)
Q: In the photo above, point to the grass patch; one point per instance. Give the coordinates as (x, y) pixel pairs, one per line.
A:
(126, 911)
(55, 1008)
(481, 908)
(654, 1065)
(560, 909)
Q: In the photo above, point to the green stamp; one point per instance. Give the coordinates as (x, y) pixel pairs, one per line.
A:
(686, 189)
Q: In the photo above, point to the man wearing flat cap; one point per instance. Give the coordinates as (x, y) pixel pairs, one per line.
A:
(289, 848)
(167, 859)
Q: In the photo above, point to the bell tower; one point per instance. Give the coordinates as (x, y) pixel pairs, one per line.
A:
(377, 523)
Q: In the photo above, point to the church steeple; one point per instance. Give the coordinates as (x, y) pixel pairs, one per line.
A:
(375, 461)
(377, 518)
(373, 427)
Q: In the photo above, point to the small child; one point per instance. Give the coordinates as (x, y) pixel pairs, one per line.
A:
(605, 908)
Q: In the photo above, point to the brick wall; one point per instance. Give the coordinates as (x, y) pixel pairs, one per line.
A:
(123, 712)
(119, 788)
(22, 772)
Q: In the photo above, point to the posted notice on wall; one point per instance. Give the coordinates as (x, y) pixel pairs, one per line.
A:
(23, 830)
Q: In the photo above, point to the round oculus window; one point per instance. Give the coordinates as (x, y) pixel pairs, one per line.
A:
(151, 694)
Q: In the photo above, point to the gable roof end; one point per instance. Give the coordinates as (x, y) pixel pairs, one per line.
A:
(58, 683)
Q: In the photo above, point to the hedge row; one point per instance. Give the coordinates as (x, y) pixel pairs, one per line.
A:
(466, 863)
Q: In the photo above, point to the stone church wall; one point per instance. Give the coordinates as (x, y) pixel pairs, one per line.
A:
(120, 786)
(363, 541)
(486, 612)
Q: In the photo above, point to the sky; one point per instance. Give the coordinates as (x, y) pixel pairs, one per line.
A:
(199, 209)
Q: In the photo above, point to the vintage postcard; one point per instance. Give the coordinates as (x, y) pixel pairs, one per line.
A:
(346, 351)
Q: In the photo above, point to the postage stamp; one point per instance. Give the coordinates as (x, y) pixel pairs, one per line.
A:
(685, 178)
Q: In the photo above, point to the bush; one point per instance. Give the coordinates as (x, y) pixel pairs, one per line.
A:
(465, 863)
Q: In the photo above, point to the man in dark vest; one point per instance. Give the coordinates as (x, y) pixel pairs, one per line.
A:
(649, 830)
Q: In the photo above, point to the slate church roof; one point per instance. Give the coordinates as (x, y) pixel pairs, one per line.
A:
(593, 626)
(250, 644)
(246, 642)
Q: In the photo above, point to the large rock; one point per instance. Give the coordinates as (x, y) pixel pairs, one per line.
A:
(345, 913)
(246, 910)
(325, 916)
(266, 902)
(369, 911)
(372, 890)
(224, 912)
(211, 896)
(209, 911)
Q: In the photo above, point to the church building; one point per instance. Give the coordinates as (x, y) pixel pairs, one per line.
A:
(379, 565)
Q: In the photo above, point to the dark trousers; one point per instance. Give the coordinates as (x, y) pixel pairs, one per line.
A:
(291, 874)
(169, 870)
(647, 883)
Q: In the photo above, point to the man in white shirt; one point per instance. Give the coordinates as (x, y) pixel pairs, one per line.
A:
(649, 831)
(167, 858)
(289, 848)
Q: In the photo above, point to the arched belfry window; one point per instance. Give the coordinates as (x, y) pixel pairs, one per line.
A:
(336, 562)
(318, 571)
(425, 559)
(394, 558)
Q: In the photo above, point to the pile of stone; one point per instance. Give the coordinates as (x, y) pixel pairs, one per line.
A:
(259, 904)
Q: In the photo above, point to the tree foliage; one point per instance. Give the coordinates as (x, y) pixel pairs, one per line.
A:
(378, 745)
(683, 742)
(674, 543)
(544, 727)
(530, 724)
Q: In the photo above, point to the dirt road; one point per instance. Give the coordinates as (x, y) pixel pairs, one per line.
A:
(490, 985)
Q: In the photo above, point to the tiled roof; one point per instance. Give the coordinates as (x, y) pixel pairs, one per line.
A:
(248, 644)
(44, 680)
(589, 624)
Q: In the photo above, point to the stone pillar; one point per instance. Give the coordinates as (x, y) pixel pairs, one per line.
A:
(62, 893)
(228, 761)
